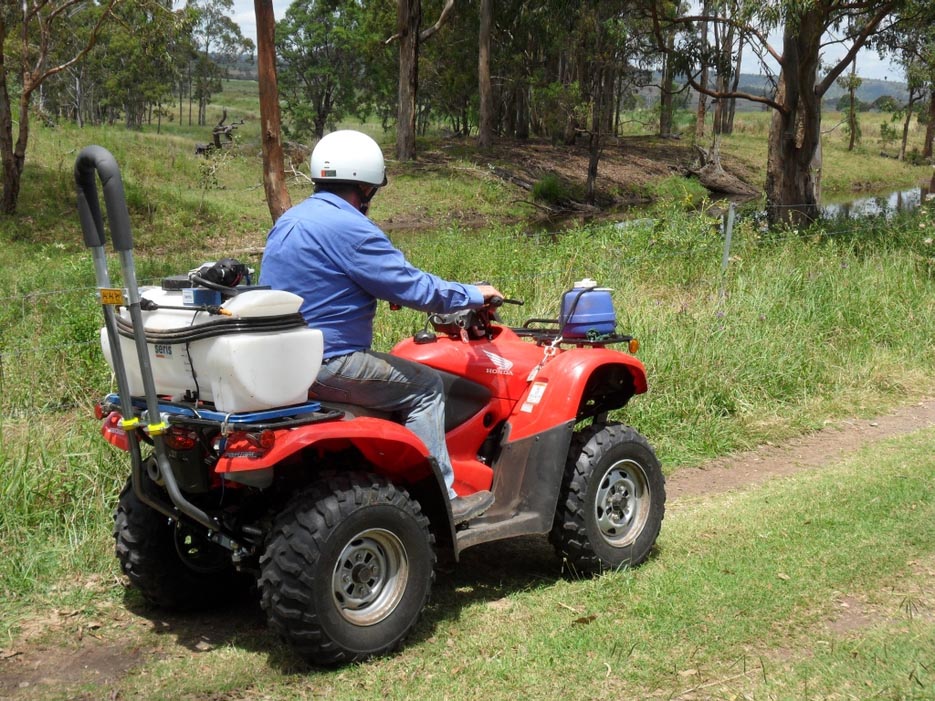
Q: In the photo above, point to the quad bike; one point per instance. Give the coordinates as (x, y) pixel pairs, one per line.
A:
(337, 514)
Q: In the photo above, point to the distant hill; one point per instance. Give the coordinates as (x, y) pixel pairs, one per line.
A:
(869, 91)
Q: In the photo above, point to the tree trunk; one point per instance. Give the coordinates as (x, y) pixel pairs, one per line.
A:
(702, 109)
(727, 123)
(485, 90)
(8, 165)
(852, 125)
(522, 111)
(665, 96)
(408, 19)
(599, 100)
(793, 167)
(913, 98)
(929, 128)
(274, 179)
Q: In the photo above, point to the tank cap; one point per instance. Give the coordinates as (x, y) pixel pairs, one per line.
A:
(587, 284)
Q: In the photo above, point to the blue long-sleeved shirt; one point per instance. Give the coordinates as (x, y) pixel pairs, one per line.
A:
(341, 263)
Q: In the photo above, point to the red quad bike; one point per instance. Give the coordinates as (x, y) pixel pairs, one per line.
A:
(334, 513)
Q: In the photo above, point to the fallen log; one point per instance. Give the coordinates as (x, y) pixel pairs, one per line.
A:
(716, 179)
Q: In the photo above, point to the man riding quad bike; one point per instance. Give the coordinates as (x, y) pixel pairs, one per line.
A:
(336, 512)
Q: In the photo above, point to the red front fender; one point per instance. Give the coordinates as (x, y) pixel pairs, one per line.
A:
(390, 447)
(555, 394)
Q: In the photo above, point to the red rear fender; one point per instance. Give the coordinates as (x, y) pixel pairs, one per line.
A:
(389, 447)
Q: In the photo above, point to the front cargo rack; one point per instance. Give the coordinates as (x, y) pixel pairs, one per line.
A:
(550, 331)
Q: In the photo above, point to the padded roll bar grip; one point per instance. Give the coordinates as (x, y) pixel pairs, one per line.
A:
(98, 159)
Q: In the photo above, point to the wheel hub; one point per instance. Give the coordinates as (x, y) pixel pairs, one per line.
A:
(370, 577)
(621, 503)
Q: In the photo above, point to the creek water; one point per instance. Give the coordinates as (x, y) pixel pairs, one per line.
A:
(885, 204)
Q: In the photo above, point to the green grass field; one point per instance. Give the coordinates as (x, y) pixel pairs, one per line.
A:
(802, 328)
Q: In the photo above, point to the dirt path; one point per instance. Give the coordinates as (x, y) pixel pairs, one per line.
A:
(809, 452)
(59, 649)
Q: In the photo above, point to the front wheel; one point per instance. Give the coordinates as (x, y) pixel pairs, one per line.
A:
(612, 501)
(347, 570)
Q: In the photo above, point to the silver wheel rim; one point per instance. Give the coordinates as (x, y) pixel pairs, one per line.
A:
(621, 505)
(370, 577)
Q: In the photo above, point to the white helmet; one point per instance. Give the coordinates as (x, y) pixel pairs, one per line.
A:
(348, 156)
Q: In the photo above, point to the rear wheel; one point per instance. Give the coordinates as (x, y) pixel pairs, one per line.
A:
(612, 501)
(172, 564)
(348, 569)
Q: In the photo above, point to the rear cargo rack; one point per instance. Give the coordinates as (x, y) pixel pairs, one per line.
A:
(191, 414)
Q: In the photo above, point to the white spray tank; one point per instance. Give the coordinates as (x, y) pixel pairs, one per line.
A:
(251, 358)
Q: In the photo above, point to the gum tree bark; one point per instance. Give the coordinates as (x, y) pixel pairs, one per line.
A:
(485, 90)
(274, 178)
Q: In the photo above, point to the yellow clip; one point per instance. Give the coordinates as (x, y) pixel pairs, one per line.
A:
(129, 424)
(157, 429)
(111, 296)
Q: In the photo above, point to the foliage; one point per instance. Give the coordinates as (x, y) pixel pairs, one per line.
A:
(888, 134)
(551, 189)
(320, 45)
(557, 105)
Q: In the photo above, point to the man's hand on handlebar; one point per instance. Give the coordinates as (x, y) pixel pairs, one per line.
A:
(490, 293)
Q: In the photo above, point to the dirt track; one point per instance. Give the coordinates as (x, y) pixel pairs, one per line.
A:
(809, 452)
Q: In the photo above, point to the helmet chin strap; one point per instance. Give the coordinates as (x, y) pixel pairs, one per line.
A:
(364, 205)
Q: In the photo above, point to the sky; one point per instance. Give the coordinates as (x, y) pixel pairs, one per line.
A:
(869, 65)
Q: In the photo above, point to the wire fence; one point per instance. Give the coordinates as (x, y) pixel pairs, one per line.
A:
(38, 371)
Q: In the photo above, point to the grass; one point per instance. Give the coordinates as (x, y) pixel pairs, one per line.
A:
(799, 329)
(843, 172)
(750, 595)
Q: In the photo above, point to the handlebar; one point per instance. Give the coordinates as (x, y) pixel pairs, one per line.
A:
(99, 159)
(497, 301)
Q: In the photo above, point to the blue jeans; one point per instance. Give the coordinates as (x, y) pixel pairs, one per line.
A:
(384, 382)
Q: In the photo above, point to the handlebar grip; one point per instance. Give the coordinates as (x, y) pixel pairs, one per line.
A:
(495, 302)
(98, 159)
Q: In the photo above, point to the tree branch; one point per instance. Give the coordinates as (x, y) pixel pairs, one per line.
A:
(859, 41)
(38, 78)
(442, 18)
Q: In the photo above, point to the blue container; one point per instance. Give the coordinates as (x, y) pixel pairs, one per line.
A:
(587, 310)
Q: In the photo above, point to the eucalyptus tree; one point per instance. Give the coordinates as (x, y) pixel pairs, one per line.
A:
(134, 60)
(320, 45)
(410, 34)
(29, 30)
(807, 28)
(912, 46)
(217, 39)
(274, 176)
(485, 106)
(851, 83)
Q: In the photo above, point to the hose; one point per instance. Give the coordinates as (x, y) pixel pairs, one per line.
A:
(219, 327)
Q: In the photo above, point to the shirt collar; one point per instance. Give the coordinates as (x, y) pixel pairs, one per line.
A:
(337, 201)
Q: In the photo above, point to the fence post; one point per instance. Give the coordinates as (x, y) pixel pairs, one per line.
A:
(728, 228)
